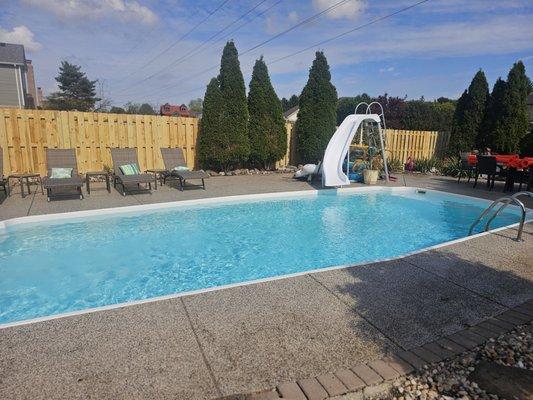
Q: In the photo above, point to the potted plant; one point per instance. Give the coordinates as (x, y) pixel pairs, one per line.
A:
(371, 175)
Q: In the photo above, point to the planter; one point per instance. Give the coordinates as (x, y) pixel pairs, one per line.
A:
(370, 176)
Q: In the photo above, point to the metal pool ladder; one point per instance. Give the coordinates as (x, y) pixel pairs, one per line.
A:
(505, 201)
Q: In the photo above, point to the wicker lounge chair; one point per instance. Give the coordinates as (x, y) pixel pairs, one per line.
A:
(173, 158)
(62, 158)
(4, 183)
(128, 156)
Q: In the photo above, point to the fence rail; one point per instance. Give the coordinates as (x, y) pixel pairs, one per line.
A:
(415, 144)
(25, 134)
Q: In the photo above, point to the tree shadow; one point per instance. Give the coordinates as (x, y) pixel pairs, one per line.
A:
(423, 297)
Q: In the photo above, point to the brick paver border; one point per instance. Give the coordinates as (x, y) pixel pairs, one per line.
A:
(363, 376)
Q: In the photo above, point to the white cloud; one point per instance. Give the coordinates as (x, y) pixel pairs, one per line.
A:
(20, 35)
(350, 9)
(293, 16)
(388, 69)
(126, 10)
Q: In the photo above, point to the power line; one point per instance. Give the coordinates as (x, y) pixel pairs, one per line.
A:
(181, 37)
(194, 50)
(374, 21)
(301, 23)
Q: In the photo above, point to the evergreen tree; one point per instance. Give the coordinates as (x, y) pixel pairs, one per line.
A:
(234, 120)
(210, 138)
(468, 126)
(146, 109)
(287, 104)
(457, 141)
(267, 132)
(514, 122)
(492, 128)
(318, 112)
(346, 106)
(76, 91)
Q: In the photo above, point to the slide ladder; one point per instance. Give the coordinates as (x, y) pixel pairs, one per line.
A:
(504, 201)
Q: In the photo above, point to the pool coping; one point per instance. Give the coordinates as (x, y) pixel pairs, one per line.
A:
(146, 208)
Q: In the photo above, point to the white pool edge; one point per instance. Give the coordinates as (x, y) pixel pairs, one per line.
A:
(4, 225)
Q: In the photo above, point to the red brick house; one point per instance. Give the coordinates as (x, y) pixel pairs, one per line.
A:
(175, 111)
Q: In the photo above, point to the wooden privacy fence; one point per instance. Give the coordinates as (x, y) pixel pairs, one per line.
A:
(416, 144)
(25, 134)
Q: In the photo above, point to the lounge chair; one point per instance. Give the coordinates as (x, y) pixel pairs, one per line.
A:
(175, 165)
(60, 161)
(123, 158)
(4, 183)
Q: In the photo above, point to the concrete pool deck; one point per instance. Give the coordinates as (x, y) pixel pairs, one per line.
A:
(250, 338)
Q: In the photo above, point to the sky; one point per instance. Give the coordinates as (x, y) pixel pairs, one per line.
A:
(159, 51)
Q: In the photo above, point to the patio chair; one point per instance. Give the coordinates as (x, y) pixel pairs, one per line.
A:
(128, 157)
(63, 160)
(4, 183)
(486, 165)
(173, 159)
(466, 168)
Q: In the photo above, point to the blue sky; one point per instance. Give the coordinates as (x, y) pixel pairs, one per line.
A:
(132, 46)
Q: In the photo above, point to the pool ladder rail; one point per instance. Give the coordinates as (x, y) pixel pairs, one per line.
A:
(505, 201)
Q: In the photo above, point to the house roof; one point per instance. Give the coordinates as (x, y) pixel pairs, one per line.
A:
(12, 54)
(291, 111)
(175, 110)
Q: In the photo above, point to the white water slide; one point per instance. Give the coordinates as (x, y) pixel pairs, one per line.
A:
(339, 145)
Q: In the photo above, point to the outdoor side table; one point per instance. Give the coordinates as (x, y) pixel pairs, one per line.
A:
(158, 174)
(21, 178)
(88, 176)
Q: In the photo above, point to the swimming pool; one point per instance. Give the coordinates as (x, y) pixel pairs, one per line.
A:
(62, 263)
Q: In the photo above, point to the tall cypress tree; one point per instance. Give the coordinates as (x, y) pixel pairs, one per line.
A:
(317, 114)
(234, 120)
(267, 133)
(211, 139)
(492, 128)
(467, 126)
(457, 141)
(515, 121)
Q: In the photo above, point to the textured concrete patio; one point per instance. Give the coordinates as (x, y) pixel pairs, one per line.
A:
(253, 337)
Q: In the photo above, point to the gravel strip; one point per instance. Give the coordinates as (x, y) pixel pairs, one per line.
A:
(448, 380)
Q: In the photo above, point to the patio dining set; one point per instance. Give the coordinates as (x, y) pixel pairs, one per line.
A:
(511, 168)
(62, 173)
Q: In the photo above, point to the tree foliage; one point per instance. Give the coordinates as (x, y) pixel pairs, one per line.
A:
(211, 138)
(287, 104)
(76, 91)
(469, 115)
(318, 112)
(346, 106)
(513, 115)
(267, 133)
(196, 105)
(223, 139)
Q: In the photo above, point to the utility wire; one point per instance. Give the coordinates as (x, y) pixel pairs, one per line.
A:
(299, 24)
(179, 60)
(180, 38)
(374, 21)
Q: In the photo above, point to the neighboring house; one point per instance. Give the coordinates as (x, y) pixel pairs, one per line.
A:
(530, 108)
(175, 111)
(17, 82)
(291, 114)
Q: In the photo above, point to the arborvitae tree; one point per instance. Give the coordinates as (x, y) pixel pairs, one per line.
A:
(211, 139)
(492, 131)
(457, 141)
(478, 94)
(234, 120)
(468, 124)
(76, 91)
(267, 133)
(318, 112)
(515, 121)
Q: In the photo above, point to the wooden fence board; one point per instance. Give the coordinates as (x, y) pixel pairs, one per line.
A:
(25, 134)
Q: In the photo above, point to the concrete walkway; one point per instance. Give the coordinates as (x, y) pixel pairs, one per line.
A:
(253, 337)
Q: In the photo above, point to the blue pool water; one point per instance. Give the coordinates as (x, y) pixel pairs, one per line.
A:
(47, 269)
